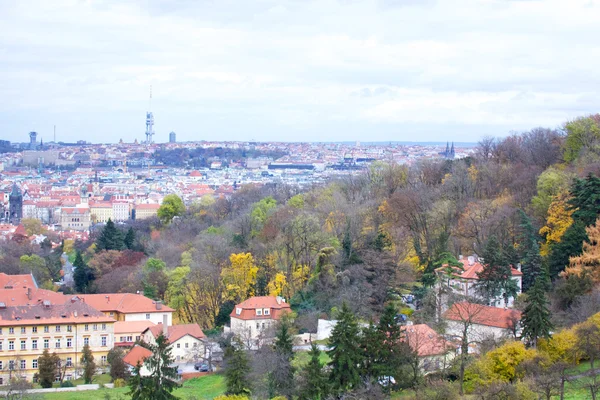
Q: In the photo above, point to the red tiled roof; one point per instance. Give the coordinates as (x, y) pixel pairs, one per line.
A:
(176, 332)
(425, 341)
(125, 303)
(471, 271)
(137, 354)
(132, 326)
(42, 314)
(16, 281)
(18, 296)
(249, 306)
(483, 315)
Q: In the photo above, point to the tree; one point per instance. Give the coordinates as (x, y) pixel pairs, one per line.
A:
(171, 207)
(547, 378)
(570, 245)
(82, 274)
(281, 377)
(583, 133)
(47, 368)
(237, 367)
(495, 278)
(531, 260)
(239, 277)
(110, 238)
(393, 350)
(162, 379)
(89, 366)
(129, 240)
(118, 368)
(588, 263)
(588, 343)
(314, 384)
(345, 353)
(536, 316)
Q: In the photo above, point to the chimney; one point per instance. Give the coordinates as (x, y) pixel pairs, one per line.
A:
(165, 325)
(278, 299)
(471, 260)
(29, 293)
(159, 305)
(519, 267)
(460, 257)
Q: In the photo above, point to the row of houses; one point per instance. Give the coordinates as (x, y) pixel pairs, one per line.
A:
(33, 320)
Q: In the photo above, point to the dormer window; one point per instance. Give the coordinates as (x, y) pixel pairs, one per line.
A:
(238, 311)
(267, 311)
(259, 311)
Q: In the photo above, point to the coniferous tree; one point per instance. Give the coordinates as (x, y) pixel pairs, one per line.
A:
(531, 260)
(371, 343)
(393, 349)
(281, 377)
(345, 353)
(314, 385)
(118, 368)
(536, 316)
(89, 366)
(110, 238)
(496, 277)
(237, 367)
(129, 240)
(81, 275)
(47, 368)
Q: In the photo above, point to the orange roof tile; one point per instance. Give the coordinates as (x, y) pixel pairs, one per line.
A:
(483, 315)
(176, 332)
(249, 306)
(17, 281)
(125, 303)
(136, 355)
(471, 271)
(425, 341)
(132, 326)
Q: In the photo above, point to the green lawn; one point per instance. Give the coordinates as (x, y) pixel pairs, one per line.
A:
(301, 358)
(203, 388)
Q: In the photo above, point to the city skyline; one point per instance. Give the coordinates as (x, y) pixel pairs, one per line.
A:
(326, 71)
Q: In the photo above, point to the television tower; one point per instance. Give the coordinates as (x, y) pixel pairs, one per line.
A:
(149, 121)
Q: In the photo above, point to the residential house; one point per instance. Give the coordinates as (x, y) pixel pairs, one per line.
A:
(127, 333)
(187, 341)
(434, 350)
(463, 280)
(130, 307)
(137, 355)
(253, 318)
(481, 322)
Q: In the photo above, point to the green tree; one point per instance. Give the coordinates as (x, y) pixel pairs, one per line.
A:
(529, 252)
(118, 368)
(47, 368)
(393, 349)
(495, 279)
(570, 245)
(129, 240)
(89, 366)
(536, 316)
(161, 382)
(110, 238)
(345, 353)
(583, 133)
(237, 367)
(82, 274)
(314, 381)
(171, 207)
(281, 377)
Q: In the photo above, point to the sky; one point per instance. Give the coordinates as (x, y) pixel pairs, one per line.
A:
(295, 70)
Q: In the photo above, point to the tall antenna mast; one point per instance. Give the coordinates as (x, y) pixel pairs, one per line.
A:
(149, 120)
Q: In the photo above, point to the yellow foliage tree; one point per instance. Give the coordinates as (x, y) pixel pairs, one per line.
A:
(277, 285)
(500, 364)
(560, 347)
(588, 263)
(558, 221)
(239, 278)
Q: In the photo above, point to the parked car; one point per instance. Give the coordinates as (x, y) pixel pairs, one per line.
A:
(201, 367)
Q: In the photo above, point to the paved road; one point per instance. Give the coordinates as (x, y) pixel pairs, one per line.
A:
(68, 268)
(306, 347)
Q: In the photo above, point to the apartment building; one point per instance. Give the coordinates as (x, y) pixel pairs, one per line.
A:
(27, 330)
(130, 307)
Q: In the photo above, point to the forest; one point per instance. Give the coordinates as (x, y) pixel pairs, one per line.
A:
(356, 247)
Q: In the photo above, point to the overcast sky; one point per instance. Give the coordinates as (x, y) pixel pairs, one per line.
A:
(295, 70)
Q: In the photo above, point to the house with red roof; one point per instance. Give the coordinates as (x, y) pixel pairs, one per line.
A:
(463, 280)
(130, 307)
(481, 322)
(435, 352)
(187, 341)
(253, 318)
(137, 355)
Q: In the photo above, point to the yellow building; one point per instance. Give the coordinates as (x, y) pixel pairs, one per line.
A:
(101, 211)
(64, 328)
(143, 211)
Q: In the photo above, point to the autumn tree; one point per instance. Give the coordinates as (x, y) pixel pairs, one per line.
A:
(118, 368)
(588, 343)
(583, 134)
(47, 368)
(239, 278)
(588, 263)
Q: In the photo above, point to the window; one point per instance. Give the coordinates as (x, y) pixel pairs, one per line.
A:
(1, 346)
(11, 365)
(130, 338)
(147, 316)
(103, 327)
(103, 341)
(238, 311)
(1, 365)
(34, 344)
(187, 345)
(46, 329)
(11, 344)
(11, 330)
(23, 364)
(86, 327)
(267, 311)
(1, 381)
(137, 338)
(95, 327)
(0, 331)
(259, 311)
(23, 329)
(178, 345)
(195, 345)
(103, 359)
(34, 364)
(69, 362)
(57, 344)
(112, 314)
(46, 343)
(69, 342)
(86, 340)
(178, 358)
(23, 345)
(69, 328)
(34, 329)
(257, 325)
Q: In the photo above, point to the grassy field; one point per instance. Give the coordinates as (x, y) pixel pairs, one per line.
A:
(203, 388)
